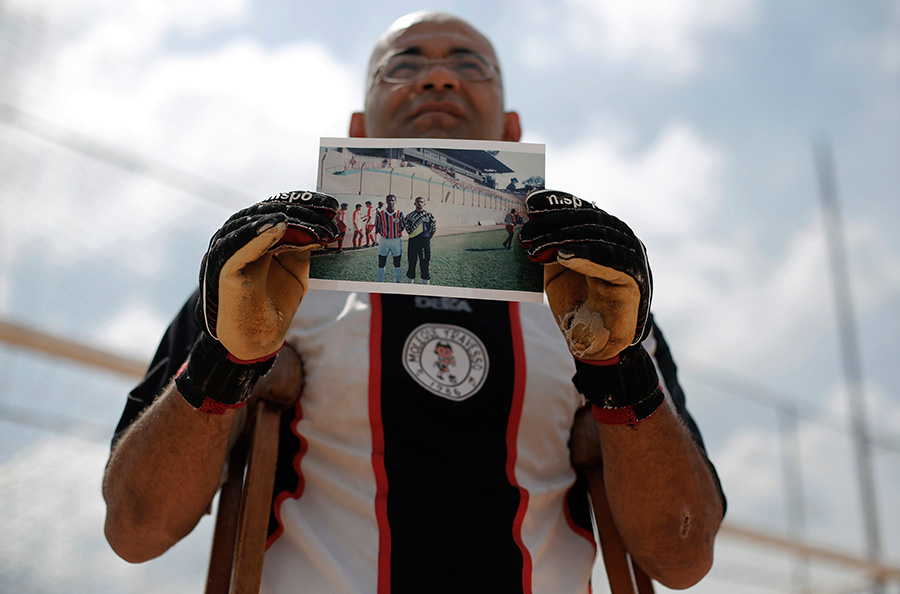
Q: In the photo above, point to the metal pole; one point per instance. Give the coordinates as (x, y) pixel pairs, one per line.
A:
(795, 508)
(850, 357)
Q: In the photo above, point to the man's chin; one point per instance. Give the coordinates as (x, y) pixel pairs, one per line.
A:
(439, 125)
(438, 133)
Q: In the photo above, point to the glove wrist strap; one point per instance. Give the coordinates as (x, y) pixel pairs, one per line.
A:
(213, 381)
(624, 390)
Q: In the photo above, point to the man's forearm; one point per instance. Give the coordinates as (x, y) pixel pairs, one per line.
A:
(663, 497)
(162, 475)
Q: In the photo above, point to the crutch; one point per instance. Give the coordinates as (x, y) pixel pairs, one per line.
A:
(624, 577)
(239, 541)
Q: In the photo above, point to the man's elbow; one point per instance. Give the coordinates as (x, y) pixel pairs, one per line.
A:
(134, 534)
(133, 543)
(680, 576)
(681, 564)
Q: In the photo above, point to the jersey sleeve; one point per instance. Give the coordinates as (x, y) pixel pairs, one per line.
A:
(669, 378)
(171, 354)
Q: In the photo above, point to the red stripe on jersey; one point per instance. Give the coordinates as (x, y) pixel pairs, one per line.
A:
(301, 483)
(391, 224)
(381, 482)
(515, 415)
(576, 528)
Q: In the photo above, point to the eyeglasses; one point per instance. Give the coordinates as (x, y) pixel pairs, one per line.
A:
(407, 68)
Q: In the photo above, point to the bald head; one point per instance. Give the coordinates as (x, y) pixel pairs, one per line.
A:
(436, 19)
(442, 99)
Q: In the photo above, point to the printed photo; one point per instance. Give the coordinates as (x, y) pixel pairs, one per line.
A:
(429, 217)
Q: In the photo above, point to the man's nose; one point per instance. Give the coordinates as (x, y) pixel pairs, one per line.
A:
(439, 78)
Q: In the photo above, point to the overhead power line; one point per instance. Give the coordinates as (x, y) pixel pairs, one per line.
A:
(119, 158)
(59, 424)
(782, 402)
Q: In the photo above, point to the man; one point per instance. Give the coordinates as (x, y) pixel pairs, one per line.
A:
(341, 220)
(358, 225)
(369, 219)
(389, 225)
(391, 480)
(420, 228)
(378, 210)
(510, 222)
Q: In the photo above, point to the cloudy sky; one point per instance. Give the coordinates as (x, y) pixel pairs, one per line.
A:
(130, 130)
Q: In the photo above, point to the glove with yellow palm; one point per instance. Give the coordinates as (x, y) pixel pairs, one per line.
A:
(599, 286)
(252, 280)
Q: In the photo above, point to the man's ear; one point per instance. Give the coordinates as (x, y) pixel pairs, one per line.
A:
(357, 125)
(512, 130)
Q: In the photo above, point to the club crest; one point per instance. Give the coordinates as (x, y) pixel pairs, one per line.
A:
(446, 360)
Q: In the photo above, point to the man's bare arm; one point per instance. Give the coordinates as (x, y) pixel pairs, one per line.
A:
(165, 470)
(661, 492)
(162, 475)
(663, 497)
(597, 278)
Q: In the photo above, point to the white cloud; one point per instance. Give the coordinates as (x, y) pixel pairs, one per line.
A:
(248, 111)
(52, 515)
(720, 289)
(890, 43)
(76, 211)
(241, 115)
(233, 114)
(716, 285)
(750, 473)
(125, 25)
(667, 189)
(750, 466)
(135, 324)
(664, 38)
